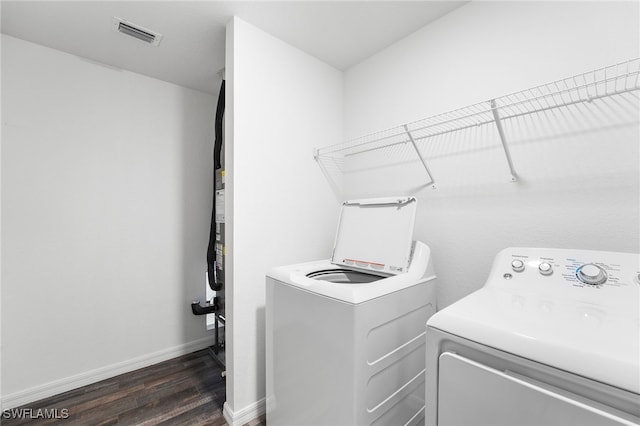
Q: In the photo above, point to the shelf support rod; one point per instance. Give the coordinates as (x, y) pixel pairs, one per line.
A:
(424, 164)
(503, 139)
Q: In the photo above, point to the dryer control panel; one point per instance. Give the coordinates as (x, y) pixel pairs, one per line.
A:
(586, 275)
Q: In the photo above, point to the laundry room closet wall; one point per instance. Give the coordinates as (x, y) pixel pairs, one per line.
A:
(578, 190)
(103, 212)
(280, 103)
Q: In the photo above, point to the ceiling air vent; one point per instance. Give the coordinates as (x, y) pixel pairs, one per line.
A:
(136, 31)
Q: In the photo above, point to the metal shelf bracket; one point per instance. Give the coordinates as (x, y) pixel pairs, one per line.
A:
(424, 163)
(503, 140)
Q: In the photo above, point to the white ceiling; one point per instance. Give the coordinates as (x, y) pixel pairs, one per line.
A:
(191, 52)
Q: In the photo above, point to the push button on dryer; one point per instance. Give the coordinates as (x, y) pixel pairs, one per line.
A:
(517, 265)
(545, 268)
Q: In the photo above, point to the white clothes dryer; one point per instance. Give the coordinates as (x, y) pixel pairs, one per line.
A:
(345, 337)
(553, 338)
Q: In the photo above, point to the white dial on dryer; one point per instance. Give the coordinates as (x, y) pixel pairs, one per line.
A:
(517, 265)
(545, 268)
(591, 274)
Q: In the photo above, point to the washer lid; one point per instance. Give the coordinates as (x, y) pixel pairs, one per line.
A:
(376, 234)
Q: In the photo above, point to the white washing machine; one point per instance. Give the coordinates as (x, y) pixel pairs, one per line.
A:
(551, 339)
(345, 337)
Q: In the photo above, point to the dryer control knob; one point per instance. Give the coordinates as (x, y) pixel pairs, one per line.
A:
(545, 268)
(591, 274)
(517, 265)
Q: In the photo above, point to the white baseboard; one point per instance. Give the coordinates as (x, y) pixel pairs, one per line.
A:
(46, 390)
(248, 413)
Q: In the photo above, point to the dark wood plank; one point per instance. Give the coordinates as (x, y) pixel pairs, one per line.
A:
(187, 390)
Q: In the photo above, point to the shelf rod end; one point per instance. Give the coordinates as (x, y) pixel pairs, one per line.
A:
(424, 163)
(503, 139)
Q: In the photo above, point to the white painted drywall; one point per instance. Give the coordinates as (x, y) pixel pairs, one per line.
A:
(106, 198)
(1, 392)
(281, 104)
(580, 191)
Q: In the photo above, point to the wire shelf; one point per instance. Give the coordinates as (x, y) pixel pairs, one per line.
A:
(614, 84)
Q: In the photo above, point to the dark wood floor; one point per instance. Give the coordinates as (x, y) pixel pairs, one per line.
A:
(188, 390)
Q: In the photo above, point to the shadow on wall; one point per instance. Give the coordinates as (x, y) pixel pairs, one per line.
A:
(577, 187)
(261, 382)
(561, 129)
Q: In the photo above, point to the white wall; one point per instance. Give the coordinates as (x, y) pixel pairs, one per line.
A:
(578, 191)
(106, 198)
(281, 104)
